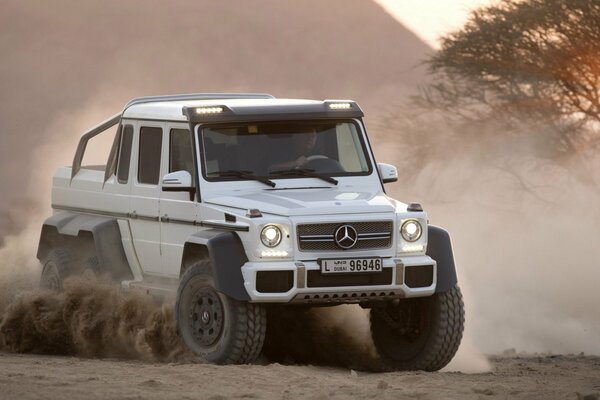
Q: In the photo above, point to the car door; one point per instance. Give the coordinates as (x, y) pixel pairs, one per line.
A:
(145, 194)
(178, 210)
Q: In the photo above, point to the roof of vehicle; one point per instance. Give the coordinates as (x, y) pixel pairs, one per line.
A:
(236, 106)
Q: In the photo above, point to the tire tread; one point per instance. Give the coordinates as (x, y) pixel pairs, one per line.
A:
(445, 338)
(249, 326)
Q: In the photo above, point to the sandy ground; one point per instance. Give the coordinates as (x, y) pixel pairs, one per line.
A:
(513, 377)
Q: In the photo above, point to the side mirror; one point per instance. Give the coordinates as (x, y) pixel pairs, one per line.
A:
(388, 172)
(178, 181)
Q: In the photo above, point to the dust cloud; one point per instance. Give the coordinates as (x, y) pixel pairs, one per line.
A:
(337, 336)
(524, 228)
(90, 319)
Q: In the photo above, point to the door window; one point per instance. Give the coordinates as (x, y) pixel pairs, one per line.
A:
(180, 151)
(150, 151)
(125, 154)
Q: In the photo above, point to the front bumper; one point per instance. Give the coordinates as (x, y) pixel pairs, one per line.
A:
(401, 277)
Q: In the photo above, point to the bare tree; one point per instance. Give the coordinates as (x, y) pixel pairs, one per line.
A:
(533, 59)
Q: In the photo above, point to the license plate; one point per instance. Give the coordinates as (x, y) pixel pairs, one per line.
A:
(351, 265)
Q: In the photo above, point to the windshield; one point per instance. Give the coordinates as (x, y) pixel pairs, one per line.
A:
(283, 150)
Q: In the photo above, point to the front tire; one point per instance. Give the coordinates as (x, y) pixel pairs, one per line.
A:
(219, 329)
(421, 333)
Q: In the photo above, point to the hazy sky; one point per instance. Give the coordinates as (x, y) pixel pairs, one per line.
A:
(430, 19)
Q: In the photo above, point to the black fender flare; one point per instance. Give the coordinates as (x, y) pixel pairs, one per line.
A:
(227, 256)
(439, 247)
(85, 236)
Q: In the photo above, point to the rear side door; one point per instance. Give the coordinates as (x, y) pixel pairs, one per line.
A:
(147, 165)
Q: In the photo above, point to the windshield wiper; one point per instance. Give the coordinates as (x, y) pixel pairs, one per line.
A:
(304, 172)
(248, 175)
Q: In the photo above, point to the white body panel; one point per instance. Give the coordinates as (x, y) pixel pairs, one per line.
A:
(175, 206)
(145, 211)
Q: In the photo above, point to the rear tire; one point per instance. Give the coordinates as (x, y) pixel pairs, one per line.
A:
(219, 329)
(56, 267)
(421, 333)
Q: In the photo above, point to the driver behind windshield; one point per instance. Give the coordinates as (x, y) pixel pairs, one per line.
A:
(302, 146)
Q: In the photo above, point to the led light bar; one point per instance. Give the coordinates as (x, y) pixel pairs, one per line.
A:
(340, 106)
(274, 253)
(412, 248)
(209, 110)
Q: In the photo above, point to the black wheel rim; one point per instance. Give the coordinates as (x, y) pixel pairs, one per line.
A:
(206, 317)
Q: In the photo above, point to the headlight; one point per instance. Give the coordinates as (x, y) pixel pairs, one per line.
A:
(411, 230)
(270, 235)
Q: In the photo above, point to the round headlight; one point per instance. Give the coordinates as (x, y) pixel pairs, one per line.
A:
(270, 235)
(411, 230)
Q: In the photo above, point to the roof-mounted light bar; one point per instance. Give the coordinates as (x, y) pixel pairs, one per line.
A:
(206, 113)
(340, 106)
(271, 111)
(209, 110)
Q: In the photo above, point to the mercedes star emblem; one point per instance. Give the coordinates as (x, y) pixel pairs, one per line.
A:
(346, 236)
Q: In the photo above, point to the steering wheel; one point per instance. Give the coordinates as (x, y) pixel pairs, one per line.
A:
(322, 163)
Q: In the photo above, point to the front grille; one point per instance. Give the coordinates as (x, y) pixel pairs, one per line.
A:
(315, 278)
(320, 237)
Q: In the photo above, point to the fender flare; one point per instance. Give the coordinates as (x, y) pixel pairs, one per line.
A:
(86, 236)
(439, 247)
(227, 256)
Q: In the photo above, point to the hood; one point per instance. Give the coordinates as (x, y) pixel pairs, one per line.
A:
(308, 201)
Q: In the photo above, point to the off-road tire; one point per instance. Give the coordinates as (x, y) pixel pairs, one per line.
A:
(242, 327)
(56, 267)
(437, 338)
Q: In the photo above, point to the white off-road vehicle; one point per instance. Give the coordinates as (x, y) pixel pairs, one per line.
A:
(228, 202)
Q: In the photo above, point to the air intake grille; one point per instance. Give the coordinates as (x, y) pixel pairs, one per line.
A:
(321, 237)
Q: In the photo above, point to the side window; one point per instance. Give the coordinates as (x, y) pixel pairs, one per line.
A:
(180, 151)
(149, 160)
(125, 154)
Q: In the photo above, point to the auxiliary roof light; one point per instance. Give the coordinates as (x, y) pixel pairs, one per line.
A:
(209, 110)
(340, 106)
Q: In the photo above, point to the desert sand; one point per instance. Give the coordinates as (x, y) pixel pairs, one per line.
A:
(513, 377)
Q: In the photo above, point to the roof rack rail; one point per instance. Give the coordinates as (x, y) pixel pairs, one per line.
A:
(197, 96)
